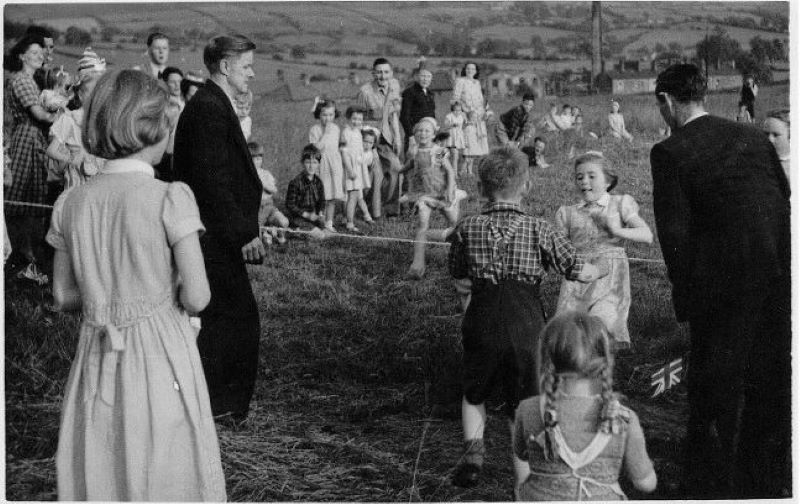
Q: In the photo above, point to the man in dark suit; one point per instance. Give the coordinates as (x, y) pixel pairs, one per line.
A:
(211, 155)
(721, 205)
(418, 102)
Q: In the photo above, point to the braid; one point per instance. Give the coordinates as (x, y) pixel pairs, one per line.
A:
(609, 417)
(550, 414)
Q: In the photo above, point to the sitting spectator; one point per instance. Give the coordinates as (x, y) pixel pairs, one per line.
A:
(744, 114)
(548, 122)
(564, 120)
(535, 153)
(617, 123)
(305, 199)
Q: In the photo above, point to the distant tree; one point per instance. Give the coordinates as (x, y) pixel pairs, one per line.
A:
(675, 47)
(748, 65)
(297, 52)
(386, 49)
(75, 36)
(718, 48)
(660, 48)
(108, 33)
(423, 48)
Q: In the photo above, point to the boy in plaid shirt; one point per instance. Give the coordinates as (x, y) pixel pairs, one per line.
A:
(505, 253)
(305, 200)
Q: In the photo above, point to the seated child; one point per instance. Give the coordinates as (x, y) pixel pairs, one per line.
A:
(535, 153)
(505, 253)
(616, 123)
(744, 114)
(268, 213)
(244, 104)
(577, 408)
(305, 199)
(432, 186)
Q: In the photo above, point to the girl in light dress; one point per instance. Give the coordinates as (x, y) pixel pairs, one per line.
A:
(598, 226)
(572, 442)
(744, 114)
(356, 176)
(325, 136)
(454, 124)
(56, 87)
(66, 145)
(616, 123)
(432, 186)
(136, 421)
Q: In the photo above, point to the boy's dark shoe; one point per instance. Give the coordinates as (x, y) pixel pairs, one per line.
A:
(467, 475)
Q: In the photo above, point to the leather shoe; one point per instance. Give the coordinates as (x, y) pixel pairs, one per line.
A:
(467, 475)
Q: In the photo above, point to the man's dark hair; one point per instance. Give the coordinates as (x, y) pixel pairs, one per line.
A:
(169, 71)
(155, 36)
(684, 82)
(39, 31)
(529, 97)
(224, 46)
(380, 61)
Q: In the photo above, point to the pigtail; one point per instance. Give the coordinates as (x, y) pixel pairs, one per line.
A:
(551, 380)
(610, 413)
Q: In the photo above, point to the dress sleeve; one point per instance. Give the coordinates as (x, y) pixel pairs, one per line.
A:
(628, 208)
(55, 235)
(26, 91)
(180, 215)
(637, 463)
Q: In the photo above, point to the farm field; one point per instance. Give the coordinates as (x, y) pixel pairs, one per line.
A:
(358, 395)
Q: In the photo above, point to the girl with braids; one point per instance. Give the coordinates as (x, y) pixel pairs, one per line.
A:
(571, 442)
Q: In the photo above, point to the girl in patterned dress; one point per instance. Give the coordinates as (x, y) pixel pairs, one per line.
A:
(432, 186)
(355, 181)
(136, 421)
(598, 226)
(28, 125)
(325, 136)
(572, 441)
(454, 124)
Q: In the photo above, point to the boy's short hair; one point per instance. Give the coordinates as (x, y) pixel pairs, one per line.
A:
(380, 61)
(126, 113)
(365, 132)
(169, 71)
(255, 149)
(224, 46)
(310, 151)
(156, 36)
(539, 139)
(354, 109)
(684, 82)
(503, 170)
(529, 97)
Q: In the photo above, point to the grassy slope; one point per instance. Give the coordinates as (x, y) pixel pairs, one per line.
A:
(354, 357)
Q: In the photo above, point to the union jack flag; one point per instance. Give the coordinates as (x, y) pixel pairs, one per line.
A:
(667, 377)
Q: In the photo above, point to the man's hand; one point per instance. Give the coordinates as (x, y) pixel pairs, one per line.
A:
(254, 252)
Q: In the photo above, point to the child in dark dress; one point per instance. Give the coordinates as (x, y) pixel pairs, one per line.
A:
(504, 252)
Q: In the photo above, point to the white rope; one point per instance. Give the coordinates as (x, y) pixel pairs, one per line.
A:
(346, 235)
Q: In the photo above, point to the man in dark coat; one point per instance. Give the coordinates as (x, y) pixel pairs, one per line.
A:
(721, 204)
(418, 102)
(212, 157)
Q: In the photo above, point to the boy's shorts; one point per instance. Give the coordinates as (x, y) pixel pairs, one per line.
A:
(500, 336)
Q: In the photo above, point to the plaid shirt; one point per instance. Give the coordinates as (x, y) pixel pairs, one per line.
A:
(304, 195)
(531, 247)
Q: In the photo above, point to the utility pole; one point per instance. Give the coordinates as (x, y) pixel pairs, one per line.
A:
(597, 44)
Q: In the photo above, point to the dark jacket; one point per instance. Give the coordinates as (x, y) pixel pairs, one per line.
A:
(211, 156)
(416, 105)
(721, 204)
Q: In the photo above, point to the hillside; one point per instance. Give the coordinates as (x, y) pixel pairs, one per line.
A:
(398, 28)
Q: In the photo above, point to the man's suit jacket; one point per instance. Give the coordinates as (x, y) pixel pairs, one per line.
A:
(212, 157)
(416, 105)
(721, 202)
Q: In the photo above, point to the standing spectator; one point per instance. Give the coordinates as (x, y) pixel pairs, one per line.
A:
(418, 102)
(777, 128)
(173, 77)
(136, 423)
(211, 155)
(28, 141)
(721, 202)
(515, 126)
(157, 54)
(467, 90)
(748, 95)
(379, 99)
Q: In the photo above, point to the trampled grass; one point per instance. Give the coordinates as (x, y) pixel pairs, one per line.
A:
(358, 391)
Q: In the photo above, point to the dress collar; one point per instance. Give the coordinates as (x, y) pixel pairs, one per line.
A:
(601, 201)
(127, 165)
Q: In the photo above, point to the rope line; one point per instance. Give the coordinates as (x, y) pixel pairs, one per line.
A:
(345, 235)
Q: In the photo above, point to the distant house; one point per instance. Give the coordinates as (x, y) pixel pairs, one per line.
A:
(300, 92)
(645, 82)
(504, 84)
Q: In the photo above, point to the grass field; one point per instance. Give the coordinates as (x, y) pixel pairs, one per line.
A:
(358, 390)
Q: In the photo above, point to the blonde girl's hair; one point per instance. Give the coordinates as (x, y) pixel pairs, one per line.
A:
(576, 344)
(597, 157)
(127, 112)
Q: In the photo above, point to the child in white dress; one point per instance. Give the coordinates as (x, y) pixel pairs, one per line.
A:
(616, 123)
(136, 421)
(454, 124)
(598, 226)
(325, 136)
(432, 186)
(352, 149)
